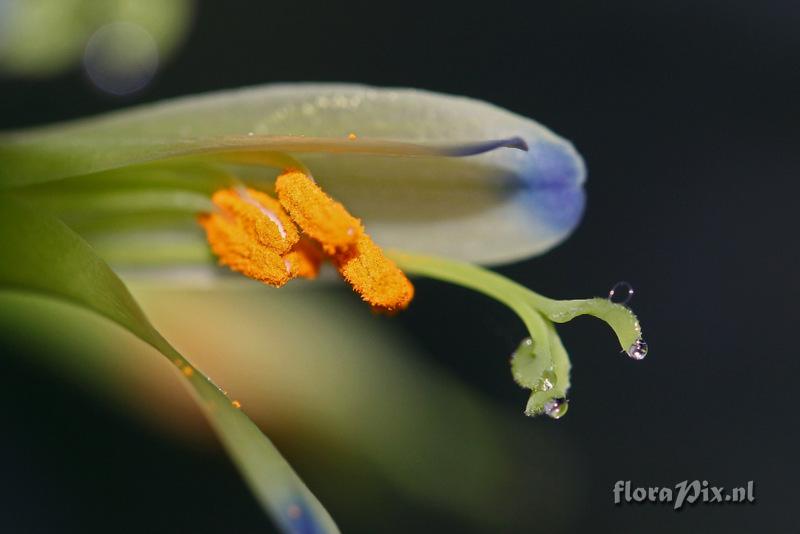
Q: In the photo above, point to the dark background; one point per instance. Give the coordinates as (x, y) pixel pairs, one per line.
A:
(686, 113)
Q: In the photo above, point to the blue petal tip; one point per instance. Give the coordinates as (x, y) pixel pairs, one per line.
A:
(553, 187)
(555, 164)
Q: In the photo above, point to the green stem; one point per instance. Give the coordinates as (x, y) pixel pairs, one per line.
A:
(621, 319)
(543, 365)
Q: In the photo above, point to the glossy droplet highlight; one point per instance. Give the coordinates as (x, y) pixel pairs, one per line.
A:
(556, 408)
(621, 293)
(638, 350)
(546, 385)
(547, 382)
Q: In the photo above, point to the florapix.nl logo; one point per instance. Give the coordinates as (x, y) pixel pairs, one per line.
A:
(684, 492)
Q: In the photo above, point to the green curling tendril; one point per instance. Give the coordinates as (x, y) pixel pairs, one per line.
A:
(540, 363)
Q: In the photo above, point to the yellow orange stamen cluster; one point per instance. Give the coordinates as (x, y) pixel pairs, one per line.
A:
(258, 236)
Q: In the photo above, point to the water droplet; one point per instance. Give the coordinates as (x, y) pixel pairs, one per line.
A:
(236, 404)
(621, 293)
(556, 408)
(547, 382)
(638, 350)
(352, 136)
(187, 371)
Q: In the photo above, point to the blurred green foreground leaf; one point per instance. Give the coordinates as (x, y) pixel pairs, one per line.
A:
(43, 256)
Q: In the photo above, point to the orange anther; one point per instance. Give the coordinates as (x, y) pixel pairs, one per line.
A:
(319, 216)
(260, 215)
(305, 259)
(250, 234)
(374, 276)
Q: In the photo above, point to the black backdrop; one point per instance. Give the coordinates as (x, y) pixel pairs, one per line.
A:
(686, 113)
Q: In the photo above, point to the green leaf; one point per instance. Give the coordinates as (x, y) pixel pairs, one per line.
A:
(493, 205)
(42, 255)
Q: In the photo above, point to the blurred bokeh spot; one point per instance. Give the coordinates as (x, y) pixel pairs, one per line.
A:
(119, 43)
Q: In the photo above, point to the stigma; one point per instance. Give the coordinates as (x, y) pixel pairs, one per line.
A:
(275, 240)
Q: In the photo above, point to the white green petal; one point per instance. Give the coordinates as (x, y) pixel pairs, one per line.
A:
(494, 207)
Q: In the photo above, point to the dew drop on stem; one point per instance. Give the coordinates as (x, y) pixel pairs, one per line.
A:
(638, 350)
(621, 293)
(556, 408)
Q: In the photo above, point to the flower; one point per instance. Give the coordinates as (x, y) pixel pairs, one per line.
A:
(454, 180)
